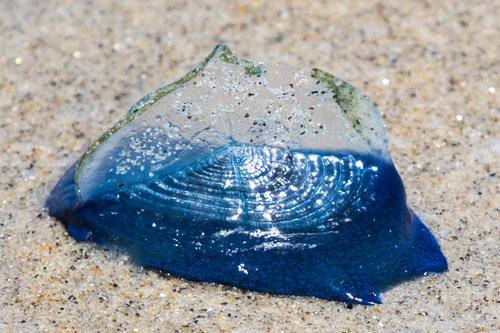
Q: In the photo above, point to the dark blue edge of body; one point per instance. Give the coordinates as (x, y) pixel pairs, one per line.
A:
(354, 268)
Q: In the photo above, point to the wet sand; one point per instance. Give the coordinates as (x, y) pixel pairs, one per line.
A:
(70, 69)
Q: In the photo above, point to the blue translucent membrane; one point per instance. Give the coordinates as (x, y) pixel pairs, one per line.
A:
(253, 175)
(364, 242)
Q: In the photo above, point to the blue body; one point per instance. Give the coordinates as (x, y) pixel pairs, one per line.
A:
(378, 243)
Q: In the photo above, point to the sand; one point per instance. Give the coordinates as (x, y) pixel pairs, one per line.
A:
(70, 69)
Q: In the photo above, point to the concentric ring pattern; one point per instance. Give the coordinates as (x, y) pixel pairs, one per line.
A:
(261, 187)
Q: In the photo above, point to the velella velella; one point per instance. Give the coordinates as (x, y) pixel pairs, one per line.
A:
(253, 175)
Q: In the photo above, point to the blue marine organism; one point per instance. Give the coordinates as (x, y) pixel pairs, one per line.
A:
(253, 175)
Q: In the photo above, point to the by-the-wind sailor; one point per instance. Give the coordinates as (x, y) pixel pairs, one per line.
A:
(253, 175)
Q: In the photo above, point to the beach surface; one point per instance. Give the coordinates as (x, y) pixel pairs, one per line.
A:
(70, 69)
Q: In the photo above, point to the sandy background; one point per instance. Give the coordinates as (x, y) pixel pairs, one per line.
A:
(70, 69)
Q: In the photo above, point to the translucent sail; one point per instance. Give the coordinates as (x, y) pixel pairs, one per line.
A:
(224, 101)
